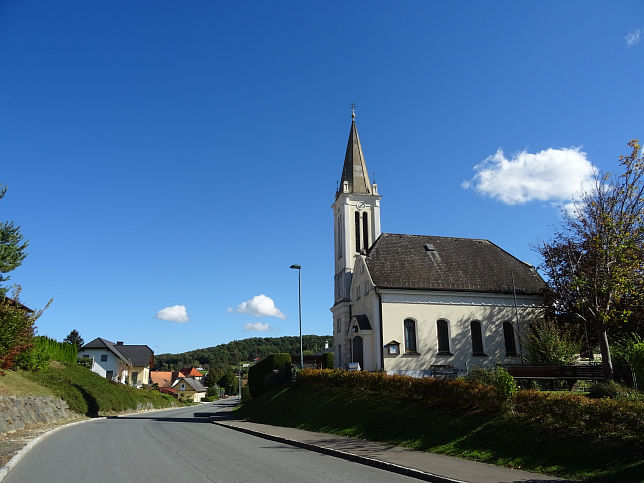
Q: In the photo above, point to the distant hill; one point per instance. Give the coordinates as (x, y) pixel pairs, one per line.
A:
(243, 350)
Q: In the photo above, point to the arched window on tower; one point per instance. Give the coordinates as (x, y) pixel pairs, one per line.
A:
(357, 231)
(365, 229)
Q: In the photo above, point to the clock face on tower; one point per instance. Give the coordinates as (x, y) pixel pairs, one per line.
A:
(361, 205)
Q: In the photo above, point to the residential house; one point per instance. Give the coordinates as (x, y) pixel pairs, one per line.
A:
(189, 388)
(415, 304)
(127, 364)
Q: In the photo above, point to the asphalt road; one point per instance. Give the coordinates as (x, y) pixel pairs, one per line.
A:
(177, 446)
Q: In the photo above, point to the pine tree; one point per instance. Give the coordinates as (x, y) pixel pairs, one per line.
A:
(12, 247)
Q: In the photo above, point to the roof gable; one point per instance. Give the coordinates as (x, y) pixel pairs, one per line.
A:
(419, 262)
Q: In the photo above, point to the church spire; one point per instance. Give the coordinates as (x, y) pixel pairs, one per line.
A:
(354, 171)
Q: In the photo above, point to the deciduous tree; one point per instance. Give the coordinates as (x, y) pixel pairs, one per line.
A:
(595, 263)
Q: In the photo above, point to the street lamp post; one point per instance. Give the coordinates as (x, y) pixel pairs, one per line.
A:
(299, 302)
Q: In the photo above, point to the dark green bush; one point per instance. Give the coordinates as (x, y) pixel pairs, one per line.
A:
(498, 377)
(245, 395)
(598, 390)
(327, 360)
(274, 369)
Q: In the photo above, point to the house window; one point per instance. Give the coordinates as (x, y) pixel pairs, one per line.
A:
(477, 338)
(103, 357)
(365, 230)
(410, 335)
(135, 376)
(510, 343)
(109, 375)
(443, 337)
(85, 356)
(357, 231)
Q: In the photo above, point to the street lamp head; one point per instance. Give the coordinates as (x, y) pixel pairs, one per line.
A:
(297, 267)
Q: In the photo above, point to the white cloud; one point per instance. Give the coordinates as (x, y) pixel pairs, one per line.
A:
(176, 313)
(555, 175)
(259, 306)
(257, 327)
(633, 37)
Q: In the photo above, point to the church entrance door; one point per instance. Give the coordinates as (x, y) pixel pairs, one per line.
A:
(357, 351)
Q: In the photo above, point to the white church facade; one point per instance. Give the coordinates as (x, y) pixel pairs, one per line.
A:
(415, 305)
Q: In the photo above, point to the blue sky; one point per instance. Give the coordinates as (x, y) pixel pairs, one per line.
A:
(161, 154)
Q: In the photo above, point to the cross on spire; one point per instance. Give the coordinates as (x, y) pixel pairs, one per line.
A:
(353, 110)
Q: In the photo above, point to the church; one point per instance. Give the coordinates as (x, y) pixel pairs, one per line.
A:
(421, 305)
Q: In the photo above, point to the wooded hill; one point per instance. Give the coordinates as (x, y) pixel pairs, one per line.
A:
(244, 350)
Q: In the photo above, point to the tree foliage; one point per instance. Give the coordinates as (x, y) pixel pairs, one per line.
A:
(595, 263)
(237, 351)
(74, 338)
(12, 247)
(549, 342)
(16, 329)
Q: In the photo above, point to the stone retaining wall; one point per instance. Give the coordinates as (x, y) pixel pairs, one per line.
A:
(17, 412)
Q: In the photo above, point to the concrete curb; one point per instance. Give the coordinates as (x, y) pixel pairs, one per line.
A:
(383, 465)
(4, 471)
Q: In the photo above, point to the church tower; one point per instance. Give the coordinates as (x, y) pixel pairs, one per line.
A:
(356, 213)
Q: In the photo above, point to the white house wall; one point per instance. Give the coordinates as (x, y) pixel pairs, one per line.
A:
(112, 363)
(458, 309)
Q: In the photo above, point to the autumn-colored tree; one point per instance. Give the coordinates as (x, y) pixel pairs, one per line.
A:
(595, 263)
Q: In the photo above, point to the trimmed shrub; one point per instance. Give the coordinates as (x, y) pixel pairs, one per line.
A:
(579, 414)
(442, 393)
(245, 395)
(274, 369)
(327, 360)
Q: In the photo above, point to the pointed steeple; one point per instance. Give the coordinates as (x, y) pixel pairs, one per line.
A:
(354, 171)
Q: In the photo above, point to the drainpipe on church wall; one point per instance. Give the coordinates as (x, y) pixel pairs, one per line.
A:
(382, 342)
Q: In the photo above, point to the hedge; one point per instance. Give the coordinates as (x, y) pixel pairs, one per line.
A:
(578, 413)
(447, 394)
(272, 370)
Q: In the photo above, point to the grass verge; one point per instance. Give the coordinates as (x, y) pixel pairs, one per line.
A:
(87, 393)
(489, 437)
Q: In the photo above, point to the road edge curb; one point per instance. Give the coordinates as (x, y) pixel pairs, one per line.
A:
(383, 465)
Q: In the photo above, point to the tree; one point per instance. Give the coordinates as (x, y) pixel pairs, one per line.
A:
(74, 338)
(550, 343)
(595, 264)
(12, 247)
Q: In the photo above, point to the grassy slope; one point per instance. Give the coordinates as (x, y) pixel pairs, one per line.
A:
(16, 384)
(84, 391)
(483, 437)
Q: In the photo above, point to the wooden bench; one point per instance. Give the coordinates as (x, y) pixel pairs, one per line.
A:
(443, 371)
(581, 372)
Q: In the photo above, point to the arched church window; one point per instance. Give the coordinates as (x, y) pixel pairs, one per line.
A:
(510, 342)
(365, 230)
(410, 335)
(357, 231)
(443, 337)
(477, 338)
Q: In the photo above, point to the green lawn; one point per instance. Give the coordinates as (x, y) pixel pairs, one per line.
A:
(488, 437)
(87, 393)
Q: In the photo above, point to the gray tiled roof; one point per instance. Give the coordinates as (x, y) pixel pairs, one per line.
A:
(454, 264)
(139, 355)
(100, 343)
(196, 385)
